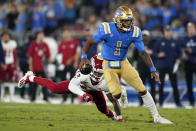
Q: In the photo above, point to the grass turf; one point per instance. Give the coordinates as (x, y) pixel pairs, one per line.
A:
(41, 117)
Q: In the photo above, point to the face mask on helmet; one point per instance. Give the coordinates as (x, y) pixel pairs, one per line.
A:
(96, 76)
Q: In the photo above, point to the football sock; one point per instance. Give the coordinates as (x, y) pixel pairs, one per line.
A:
(149, 103)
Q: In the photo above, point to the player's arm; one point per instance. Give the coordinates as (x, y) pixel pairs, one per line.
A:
(74, 87)
(90, 41)
(148, 61)
(137, 35)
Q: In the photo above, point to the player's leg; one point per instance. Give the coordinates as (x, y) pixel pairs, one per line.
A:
(189, 81)
(57, 88)
(131, 76)
(10, 71)
(116, 107)
(173, 80)
(100, 102)
(112, 80)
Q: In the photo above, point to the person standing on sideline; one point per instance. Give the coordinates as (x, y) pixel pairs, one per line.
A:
(142, 67)
(167, 54)
(2, 62)
(189, 56)
(68, 49)
(37, 51)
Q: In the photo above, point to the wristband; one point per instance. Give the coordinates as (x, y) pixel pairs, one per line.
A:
(153, 69)
(83, 56)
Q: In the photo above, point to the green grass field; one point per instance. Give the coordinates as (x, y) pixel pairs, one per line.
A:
(41, 117)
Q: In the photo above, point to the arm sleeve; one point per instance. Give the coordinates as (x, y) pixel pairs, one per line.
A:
(99, 36)
(138, 39)
(74, 87)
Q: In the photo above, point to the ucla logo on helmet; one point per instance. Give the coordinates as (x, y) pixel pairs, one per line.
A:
(118, 13)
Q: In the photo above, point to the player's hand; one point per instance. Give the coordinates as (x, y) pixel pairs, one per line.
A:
(156, 76)
(83, 62)
(87, 97)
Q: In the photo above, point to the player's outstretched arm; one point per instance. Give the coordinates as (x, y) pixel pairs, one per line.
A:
(146, 58)
(85, 50)
(74, 87)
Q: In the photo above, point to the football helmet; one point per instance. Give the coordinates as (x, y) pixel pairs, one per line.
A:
(97, 70)
(123, 17)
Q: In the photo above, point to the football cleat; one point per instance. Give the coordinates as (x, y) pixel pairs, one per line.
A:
(25, 79)
(160, 120)
(120, 120)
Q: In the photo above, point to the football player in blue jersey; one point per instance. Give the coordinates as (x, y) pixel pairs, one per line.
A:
(117, 36)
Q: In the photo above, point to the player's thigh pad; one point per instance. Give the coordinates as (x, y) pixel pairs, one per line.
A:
(131, 76)
(112, 80)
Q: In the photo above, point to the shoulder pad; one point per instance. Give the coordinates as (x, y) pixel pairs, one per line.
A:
(106, 27)
(135, 31)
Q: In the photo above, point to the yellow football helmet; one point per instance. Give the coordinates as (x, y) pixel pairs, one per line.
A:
(123, 13)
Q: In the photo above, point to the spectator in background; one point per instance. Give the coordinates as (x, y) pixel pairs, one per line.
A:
(2, 16)
(21, 22)
(38, 19)
(69, 11)
(189, 56)
(68, 48)
(100, 6)
(168, 13)
(37, 51)
(93, 24)
(11, 17)
(51, 18)
(11, 61)
(167, 54)
(144, 72)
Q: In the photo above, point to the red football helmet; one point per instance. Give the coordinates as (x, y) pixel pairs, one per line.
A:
(97, 70)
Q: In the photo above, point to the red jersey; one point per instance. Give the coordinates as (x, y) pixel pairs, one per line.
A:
(68, 49)
(38, 52)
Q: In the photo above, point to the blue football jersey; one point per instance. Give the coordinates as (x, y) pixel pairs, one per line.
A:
(115, 43)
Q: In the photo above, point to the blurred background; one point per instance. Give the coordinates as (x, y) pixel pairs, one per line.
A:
(168, 29)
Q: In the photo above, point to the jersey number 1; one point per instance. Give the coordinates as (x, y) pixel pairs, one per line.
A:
(117, 52)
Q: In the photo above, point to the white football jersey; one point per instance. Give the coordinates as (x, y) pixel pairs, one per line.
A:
(8, 51)
(87, 85)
